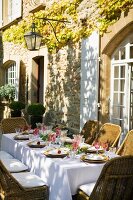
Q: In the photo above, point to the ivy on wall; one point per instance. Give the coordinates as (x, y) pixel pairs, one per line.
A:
(84, 15)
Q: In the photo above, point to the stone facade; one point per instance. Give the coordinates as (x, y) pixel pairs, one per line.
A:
(61, 92)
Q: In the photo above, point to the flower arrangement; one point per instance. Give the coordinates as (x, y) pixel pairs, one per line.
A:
(47, 135)
(8, 92)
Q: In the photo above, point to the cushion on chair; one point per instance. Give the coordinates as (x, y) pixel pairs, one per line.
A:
(14, 165)
(4, 155)
(28, 179)
(87, 188)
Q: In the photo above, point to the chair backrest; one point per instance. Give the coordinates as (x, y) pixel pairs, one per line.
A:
(89, 130)
(7, 181)
(8, 125)
(126, 148)
(109, 133)
(115, 180)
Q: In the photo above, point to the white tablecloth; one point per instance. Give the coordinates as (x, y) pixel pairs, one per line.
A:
(63, 176)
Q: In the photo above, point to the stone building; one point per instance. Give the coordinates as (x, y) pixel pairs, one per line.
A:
(92, 79)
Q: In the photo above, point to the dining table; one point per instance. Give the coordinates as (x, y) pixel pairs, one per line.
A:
(62, 175)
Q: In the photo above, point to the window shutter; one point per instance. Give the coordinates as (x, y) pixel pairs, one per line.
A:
(89, 78)
(16, 9)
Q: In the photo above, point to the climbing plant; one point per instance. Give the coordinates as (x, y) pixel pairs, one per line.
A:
(84, 17)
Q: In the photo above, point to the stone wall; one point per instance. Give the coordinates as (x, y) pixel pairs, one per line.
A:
(63, 91)
(63, 87)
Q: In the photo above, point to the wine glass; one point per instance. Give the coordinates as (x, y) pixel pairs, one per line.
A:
(105, 146)
(17, 130)
(96, 144)
(73, 150)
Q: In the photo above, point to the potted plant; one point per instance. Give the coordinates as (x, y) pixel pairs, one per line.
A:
(35, 111)
(8, 92)
(16, 107)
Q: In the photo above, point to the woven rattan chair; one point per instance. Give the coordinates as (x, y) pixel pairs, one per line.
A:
(114, 183)
(109, 133)
(89, 131)
(126, 148)
(8, 125)
(11, 189)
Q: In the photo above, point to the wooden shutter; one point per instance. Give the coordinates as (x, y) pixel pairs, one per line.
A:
(89, 78)
(14, 9)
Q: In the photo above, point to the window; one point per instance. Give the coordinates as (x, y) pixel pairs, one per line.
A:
(121, 99)
(9, 11)
(12, 77)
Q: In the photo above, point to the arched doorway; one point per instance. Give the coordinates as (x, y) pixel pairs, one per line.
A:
(121, 98)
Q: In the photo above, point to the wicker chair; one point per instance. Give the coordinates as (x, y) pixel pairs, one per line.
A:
(89, 131)
(8, 125)
(11, 189)
(114, 183)
(126, 148)
(109, 133)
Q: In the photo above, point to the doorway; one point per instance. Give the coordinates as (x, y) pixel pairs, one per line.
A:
(37, 83)
(121, 98)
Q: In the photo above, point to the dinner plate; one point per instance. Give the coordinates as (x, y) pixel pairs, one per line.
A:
(21, 137)
(94, 158)
(84, 147)
(92, 149)
(68, 140)
(25, 133)
(56, 153)
(36, 144)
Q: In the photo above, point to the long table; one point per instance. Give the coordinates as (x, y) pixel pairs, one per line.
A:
(63, 176)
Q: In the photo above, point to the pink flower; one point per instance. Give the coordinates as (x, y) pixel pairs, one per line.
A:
(52, 137)
(36, 131)
(75, 145)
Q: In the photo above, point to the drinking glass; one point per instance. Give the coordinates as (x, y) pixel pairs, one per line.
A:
(97, 146)
(72, 154)
(112, 149)
(17, 130)
(105, 146)
(31, 136)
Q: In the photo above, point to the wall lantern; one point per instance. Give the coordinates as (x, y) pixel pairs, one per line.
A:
(33, 39)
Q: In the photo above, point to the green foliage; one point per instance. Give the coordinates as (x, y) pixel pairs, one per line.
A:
(16, 105)
(36, 109)
(110, 11)
(8, 91)
(102, 14)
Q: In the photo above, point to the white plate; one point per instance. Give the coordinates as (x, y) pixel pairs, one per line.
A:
(22, 136)
(41, 143)
(58, 151)
(84, 145)
(95, 157)
(92, 149)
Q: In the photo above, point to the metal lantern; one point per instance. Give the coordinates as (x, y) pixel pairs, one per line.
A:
(33, 39)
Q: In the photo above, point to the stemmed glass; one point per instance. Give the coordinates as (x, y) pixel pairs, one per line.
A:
(63, 137)
(17, 130)
(75, 145)
(105, 146)
(96, 144)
